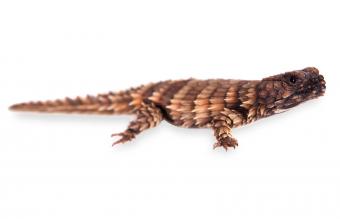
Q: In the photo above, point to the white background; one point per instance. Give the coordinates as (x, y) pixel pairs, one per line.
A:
(63, 166)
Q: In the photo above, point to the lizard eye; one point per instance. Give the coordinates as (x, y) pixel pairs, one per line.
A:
(292, 79)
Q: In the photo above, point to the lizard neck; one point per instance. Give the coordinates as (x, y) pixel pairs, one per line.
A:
(256, 100)
(268, 94)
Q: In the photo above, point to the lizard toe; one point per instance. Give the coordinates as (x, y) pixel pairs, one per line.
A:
(124, 137)
(226, 143)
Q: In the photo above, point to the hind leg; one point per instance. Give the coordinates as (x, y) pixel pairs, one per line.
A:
(148, 116)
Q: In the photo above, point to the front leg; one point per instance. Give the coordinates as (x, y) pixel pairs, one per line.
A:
(148, 116)
(222, 131)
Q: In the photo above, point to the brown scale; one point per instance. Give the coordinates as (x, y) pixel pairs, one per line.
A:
(217, 104)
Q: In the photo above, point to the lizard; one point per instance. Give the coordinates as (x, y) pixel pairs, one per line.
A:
(218, 104)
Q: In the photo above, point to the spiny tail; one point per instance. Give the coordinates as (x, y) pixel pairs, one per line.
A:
(124, 102)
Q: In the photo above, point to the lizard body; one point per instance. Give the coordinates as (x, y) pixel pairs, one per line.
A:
(217, 104)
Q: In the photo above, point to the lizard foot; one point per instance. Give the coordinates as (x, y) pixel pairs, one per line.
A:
(124, 137)
(226, 142)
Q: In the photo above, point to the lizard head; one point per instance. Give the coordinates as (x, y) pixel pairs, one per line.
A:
(281, 92)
